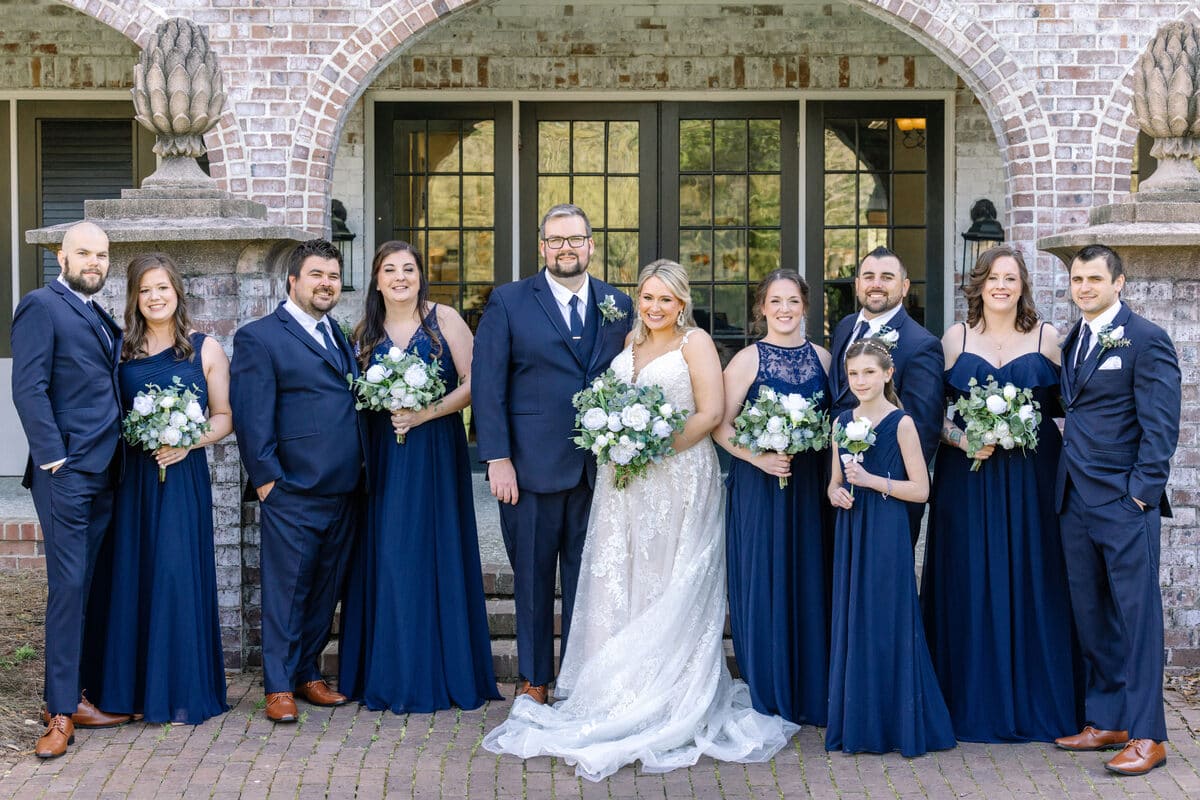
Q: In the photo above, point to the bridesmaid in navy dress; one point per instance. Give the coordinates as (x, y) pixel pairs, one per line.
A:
(414, 625)
(776, 540)
(883, 693)
(155, 613)
(994, 588)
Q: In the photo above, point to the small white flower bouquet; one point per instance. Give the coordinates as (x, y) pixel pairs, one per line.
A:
(398, 380)
(628, 426)
(783, 423)
(853, 439)
(170, 417)
(1004, 416)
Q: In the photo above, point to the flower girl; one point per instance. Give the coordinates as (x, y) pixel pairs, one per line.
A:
(883, 694)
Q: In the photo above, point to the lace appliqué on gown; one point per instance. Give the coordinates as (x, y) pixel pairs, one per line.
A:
(782, 365)
(644, 675)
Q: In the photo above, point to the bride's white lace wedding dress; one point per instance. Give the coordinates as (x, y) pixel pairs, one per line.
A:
(644, 675)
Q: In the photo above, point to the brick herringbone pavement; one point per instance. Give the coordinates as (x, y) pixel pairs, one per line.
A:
(348, 752)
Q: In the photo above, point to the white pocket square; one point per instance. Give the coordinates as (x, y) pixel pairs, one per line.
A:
(1112, 363)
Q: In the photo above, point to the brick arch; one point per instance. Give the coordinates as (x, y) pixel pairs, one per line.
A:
(137, 21)
(1003, 89)
(1117, 136)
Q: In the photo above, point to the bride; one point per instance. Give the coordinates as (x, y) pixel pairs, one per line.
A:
(644, 676)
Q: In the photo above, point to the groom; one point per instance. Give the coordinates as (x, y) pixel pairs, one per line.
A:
(539, 342)
(1121, 390)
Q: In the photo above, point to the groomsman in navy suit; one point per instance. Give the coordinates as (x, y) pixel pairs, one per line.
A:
(881, 286)
(539, 342)
(64, 384)
(1121, 391)
(302, 444)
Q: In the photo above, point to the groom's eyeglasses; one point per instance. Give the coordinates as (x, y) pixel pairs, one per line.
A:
(557, 242)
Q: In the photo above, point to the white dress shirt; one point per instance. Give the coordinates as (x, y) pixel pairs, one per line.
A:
(873, 325)
(563, 295)
(308, 322)
(1102, 321)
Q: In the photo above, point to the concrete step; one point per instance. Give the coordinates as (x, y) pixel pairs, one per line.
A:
(504, 658)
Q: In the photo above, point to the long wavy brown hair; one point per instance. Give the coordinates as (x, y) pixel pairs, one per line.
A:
(1027, 315)
(370, 331)
(135, 324)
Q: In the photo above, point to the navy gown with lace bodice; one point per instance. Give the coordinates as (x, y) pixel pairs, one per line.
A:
(994, 588)
(414, 624)
(778, 543)
(883, 693)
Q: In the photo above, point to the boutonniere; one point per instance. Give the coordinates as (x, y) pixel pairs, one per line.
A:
(609, 310)
(346, 328)
(1110, 337)
(889, 336)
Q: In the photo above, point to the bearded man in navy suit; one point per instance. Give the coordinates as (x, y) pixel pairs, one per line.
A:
(64, 384)
(302, 443)
(1121, 391)
(880, 287)
(539, 342)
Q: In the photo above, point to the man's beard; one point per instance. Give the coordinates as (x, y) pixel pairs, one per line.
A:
(578, 268)
(77, 281)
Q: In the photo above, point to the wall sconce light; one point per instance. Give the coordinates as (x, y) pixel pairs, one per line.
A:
(343, 238)
(913, 130)
(984, 232)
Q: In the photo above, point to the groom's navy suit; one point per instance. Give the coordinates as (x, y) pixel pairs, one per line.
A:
(296, 425)
(919, 363)
(524, 373)
(1122, 426)
(65, 388)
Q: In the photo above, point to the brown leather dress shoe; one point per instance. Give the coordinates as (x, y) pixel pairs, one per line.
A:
(281, 707)
(318, 693)
(538, 694)
(59, 733)
(1091, 738)
(1139, 757)
(88, 716)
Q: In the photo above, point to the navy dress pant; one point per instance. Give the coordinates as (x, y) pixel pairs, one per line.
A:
(305, 547)
(1112, 553)
(75, 509)
(543, 532)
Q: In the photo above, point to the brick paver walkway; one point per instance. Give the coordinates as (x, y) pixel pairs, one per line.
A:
(342, 752)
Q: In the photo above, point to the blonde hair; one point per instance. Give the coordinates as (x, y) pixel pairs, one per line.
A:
(676, 279)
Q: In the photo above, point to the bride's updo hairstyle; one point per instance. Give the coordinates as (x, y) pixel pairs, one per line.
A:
(676, 279)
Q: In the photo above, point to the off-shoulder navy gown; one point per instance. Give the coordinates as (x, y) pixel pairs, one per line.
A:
(994, 589)
(414, 624)
(153, 613)
(777, 547)
(883, 693)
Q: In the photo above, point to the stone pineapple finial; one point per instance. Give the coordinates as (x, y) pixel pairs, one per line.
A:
(1166, 99)
(178, 95)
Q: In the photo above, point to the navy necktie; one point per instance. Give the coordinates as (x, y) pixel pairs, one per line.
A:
(1085, 342)
(91, 304)
(329, 344)
(859, 332)
(576, 318)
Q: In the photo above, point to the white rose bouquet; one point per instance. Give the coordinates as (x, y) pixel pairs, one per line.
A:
(165, 417)
(1005, 416)
(399, 380)
(782, 423)
(628, 426)
(853, 439)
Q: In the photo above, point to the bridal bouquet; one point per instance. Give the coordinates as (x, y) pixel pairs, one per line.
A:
(853, 439)
(398, 380)
(625, 425)
(1005, 416)
(170, 417)
(783, 423)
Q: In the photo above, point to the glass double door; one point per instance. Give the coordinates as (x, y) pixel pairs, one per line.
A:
(714, 186)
